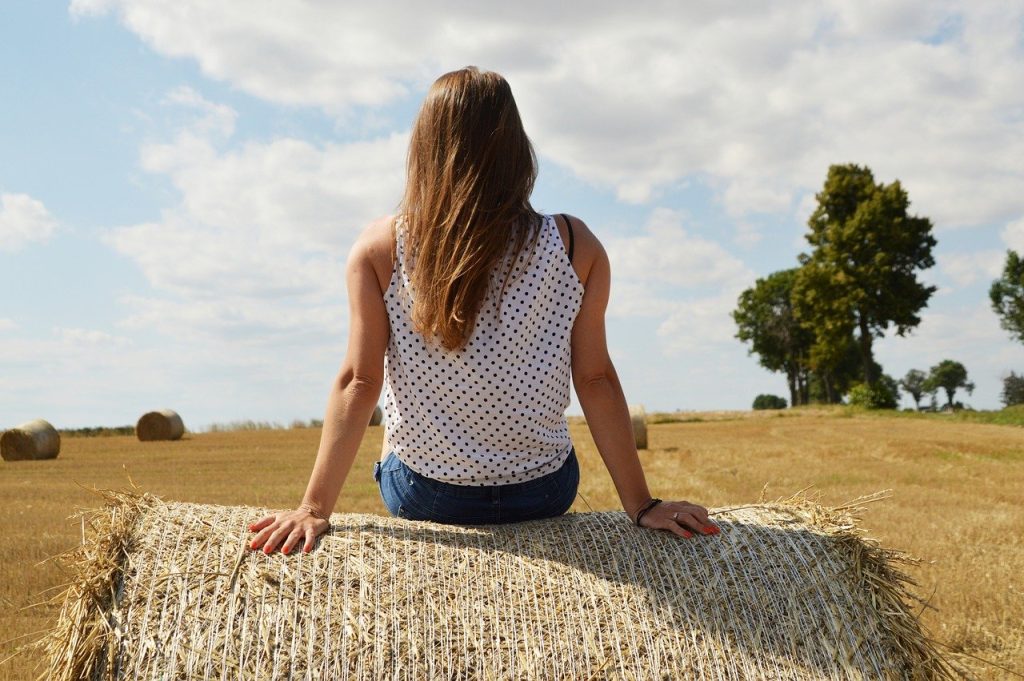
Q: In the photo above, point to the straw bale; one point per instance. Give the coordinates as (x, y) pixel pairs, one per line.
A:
(788, 590)
(164, 424)
(31, 441)
(377, 416)
(639, 418)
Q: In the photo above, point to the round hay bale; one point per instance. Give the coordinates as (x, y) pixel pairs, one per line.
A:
(164, 424)
(377, 416)
(639, 418)
(30, 441)
(786, 591)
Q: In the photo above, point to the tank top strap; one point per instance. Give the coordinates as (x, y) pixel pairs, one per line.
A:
(399, 234)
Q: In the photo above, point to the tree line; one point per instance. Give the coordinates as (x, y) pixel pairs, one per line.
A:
(817, 322)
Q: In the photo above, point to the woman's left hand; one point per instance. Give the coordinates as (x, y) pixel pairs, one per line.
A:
(286, 529)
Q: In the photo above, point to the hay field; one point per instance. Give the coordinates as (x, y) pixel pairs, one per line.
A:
(958, 500)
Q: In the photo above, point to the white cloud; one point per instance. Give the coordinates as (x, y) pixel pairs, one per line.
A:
(85, 8)
(747, 235)
(667, 273)
(8, 324)
(216, 118)
(77, 360)
(757, 102)
(1013, 235)
(238, 319)
(257, 243)
(23, 220)
(805, 206)
(700, 327)
(636, 298)
(666, 254)
(966, 268)
(213, 377)
(90, 338)
(958, 334)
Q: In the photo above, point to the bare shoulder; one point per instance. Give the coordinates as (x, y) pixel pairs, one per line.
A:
(375, 247)
(587, 248)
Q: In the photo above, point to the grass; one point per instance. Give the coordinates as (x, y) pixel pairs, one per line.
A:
(958, 500)
(1009, 416)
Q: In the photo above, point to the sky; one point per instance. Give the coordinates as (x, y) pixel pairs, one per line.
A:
(180, 182)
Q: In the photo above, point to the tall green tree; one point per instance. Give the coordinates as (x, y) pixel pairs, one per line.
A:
(915, 384)
(764, 317)
(1007, 295)
(1013, 390)
(950, 376)
(861, 274)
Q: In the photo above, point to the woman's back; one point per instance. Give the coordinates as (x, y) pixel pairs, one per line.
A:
(493, 411)
(476, 388)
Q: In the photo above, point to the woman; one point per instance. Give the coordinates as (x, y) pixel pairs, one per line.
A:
(472, 310)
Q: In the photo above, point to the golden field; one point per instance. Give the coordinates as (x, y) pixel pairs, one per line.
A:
(957, 503)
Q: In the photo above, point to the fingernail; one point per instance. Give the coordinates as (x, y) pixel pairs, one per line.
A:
(285, 551)
(688, 535)
(708, 530)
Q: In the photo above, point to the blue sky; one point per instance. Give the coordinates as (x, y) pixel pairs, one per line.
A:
(180, 182)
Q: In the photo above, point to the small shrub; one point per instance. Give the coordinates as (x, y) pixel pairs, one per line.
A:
(97, 431)
(878, 397)
(765, 401)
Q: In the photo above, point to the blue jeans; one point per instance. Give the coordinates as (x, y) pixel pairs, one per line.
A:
(407, 494)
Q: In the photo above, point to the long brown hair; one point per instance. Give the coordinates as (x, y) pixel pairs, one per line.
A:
(470, 173)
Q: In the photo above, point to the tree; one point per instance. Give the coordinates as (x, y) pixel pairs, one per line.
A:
(862, 272)
(1013, 390)
(766, 401)
(764, 316)
(1007, 295)
(914, 385)
(949, 375)
(891, 387)
(832, 377)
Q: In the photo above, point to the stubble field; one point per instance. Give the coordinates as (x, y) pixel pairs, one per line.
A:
(957, 501)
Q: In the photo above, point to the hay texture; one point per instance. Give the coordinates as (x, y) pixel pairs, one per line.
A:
(30, 441)
(164, 424)
(377, 416)
(638, 417)
(786, 591)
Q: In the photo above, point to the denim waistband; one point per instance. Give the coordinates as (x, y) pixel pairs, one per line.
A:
(482, 491)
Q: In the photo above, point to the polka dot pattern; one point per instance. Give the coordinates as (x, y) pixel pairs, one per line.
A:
(493, 411)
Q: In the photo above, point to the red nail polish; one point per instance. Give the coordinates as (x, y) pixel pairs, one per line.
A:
(688, 535)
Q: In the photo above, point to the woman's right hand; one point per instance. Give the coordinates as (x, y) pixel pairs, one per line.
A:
(681, 518)
(287, 529)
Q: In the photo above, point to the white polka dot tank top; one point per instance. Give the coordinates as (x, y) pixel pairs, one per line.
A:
(493, 411)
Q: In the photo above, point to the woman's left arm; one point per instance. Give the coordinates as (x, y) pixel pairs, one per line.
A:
(354, 394)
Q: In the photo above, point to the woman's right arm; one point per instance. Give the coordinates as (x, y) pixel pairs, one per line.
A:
(604, 403)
